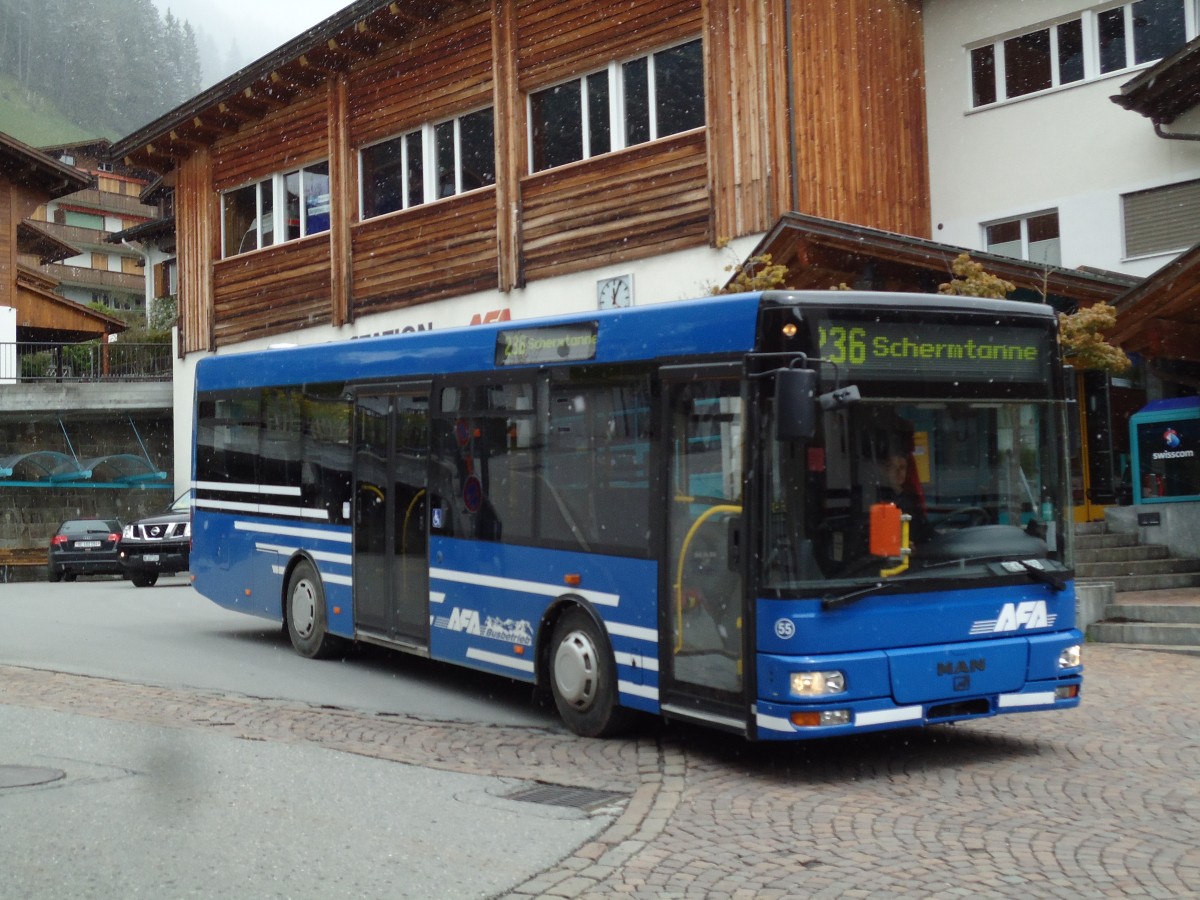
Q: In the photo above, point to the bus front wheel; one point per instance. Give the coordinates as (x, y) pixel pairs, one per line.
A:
(583, 677)
(306, 613)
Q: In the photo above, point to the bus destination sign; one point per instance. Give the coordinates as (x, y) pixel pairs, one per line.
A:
(912, 351)
(572, 342)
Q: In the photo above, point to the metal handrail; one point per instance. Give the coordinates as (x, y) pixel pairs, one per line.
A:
(28, 361)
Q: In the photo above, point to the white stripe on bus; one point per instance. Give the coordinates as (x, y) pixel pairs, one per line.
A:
(1043, 698)
(499, 659)
(632, 631)
(316, 534)
(881, 716)
(277, 489)
(774, 723)
(344, 559)
(268, 508)
(638, 690)
(526, 587)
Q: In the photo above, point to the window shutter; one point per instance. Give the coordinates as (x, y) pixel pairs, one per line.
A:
(1162, 219)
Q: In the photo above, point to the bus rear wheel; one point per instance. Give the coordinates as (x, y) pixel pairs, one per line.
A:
(583, 677)
(305, 611)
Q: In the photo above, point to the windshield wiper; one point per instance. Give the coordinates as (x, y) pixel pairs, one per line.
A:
(963, 560)
(853, 597)
(1031, 567)
(1045, 576)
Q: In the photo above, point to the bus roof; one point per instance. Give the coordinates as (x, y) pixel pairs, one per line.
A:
(673, 330)
(679, 329)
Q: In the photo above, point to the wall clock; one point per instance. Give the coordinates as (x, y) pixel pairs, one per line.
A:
(615, 292)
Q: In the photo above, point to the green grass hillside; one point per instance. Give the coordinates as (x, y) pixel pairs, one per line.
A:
(34, 121)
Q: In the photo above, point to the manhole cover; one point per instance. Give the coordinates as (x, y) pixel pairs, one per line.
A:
(27, 776)
(576, 798)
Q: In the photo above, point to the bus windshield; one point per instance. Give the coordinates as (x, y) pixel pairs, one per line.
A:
(979, 480)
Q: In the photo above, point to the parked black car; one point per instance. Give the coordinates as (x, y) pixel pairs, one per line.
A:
(159, 544)
(85, 547)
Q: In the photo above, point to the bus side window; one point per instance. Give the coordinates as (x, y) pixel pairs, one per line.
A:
(325, 473)
(227, 438)
(596, 465)
(483, 461)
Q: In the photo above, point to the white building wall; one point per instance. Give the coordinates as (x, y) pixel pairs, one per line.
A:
(1069, 148)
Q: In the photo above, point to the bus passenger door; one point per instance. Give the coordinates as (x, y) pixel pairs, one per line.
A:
(391, 574)
(703, 619)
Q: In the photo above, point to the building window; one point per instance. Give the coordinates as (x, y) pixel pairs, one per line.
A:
(623, 105)
(283, 207)
(1079, 49)
(428, 163)
(1162, 220)
(1034, 238)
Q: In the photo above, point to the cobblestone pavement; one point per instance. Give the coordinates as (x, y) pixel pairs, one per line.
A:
(1102, 801)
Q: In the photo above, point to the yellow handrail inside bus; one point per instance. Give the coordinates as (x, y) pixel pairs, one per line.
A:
(407, 516)
(683, 551)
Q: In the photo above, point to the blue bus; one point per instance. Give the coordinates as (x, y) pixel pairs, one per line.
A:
(787, 515)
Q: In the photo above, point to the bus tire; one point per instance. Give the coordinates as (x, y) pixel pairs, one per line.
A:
(305, 613)
(583, 677)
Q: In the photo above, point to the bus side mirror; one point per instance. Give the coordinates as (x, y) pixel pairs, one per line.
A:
(795, 404)
(886, 539)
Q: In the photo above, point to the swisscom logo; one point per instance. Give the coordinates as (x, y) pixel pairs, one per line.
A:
(1171, 439)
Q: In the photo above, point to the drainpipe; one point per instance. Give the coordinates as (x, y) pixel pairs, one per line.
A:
(147, 276)
(793, 162)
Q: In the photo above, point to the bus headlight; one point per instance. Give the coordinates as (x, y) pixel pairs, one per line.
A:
(817, 684)
(1070, 657)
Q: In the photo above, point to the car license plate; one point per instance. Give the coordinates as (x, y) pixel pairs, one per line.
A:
(150, 557)
(87, 545)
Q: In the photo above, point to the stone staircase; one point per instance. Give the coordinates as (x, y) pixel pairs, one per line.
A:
(1133, 593)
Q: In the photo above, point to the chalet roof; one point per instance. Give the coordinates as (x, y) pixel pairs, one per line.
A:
(43, 315)
(1167, 89)
(1160, 317)
(156, 231)
(38, 242)
(99, 145)
(22, 164)
(359, 30)
(822, 254)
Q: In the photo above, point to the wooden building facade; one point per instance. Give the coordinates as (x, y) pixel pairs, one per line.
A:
(28, 180)
(815, 106)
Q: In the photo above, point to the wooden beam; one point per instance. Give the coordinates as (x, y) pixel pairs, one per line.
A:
(510, 143)
(214, 127)
(342, 192)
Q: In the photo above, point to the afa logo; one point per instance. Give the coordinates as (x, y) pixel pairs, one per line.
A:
(511, 631)
(1027, 615)
(1171, 439)
(464, 620)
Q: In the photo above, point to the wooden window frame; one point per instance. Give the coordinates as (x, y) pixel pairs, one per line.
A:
(618, 111)
(280, 224)
(431, 188)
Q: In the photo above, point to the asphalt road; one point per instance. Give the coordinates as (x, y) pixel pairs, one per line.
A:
(171, 789)
(151, 808)
(170, 635)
